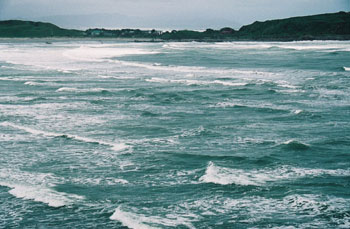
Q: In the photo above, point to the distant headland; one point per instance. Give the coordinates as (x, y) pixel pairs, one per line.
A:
(333, 26)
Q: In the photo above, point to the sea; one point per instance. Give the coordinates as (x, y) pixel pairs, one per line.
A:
(115, 134)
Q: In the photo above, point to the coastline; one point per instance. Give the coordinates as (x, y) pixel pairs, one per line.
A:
(148, 40)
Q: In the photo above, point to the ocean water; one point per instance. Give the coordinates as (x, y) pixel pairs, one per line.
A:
(174, 135)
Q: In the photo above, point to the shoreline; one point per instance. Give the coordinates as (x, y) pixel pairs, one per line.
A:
(148, 40)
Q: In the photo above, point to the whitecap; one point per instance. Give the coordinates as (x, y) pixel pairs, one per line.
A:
(225, 176)
(66, 89)
(229, 83)
(297, 111)
(32, 83)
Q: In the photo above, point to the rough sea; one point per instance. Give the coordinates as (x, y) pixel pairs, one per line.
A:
(102, 134)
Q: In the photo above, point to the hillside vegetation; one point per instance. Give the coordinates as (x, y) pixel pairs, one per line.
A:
(17, 28)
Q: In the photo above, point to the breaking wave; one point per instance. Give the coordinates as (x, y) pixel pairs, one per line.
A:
(35, 187)
(295, 145)
(73, 89)
(225, 176)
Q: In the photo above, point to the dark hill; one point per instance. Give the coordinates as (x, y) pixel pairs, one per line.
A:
(323, 26)
(335, 26)
(17, 28)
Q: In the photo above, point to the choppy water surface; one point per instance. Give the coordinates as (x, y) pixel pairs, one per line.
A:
(183, 135)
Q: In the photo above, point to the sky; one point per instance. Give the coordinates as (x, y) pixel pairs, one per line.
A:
(163, 14)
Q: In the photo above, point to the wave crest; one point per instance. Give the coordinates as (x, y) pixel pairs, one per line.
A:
(225, 176)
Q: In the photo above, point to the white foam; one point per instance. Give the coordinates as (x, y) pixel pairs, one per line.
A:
(31, 83)
(297, 111)
(116, 77)
(251, 104)
(224, 176)
(346, 68)
(225, 83)
(140, 221)
(285, 84)
(254, 208)
(73, 89)
(121, 181)
(11, 79)
(36, 187)
(41, 194)
(181, 81)
(114, 146)
(98, 181)
(194, 82)
(227, 104)
(129, 219)
(68, 89)
(293, 141)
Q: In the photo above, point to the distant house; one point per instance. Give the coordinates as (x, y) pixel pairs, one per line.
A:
(227, 30)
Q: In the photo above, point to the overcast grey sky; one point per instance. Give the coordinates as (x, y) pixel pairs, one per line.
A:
(192, 14)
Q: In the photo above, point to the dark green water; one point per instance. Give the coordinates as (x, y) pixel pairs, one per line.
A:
(174, 135)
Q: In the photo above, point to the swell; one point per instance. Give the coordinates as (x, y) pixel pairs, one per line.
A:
(194, 69)
(114, 146)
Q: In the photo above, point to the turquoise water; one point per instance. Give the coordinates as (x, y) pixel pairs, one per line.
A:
(174, 135)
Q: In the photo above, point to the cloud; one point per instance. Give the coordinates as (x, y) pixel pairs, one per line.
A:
(3, 4)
